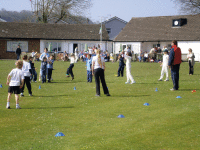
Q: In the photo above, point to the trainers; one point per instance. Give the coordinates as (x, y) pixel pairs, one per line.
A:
(159, 79)
(108, 94)
(18, 107)
(133, 82)
(72, 78)
(21, 95)
(8, 107)
(30, 95)
(172, 89)
(166, 80)
(127, 82)
(97, 95)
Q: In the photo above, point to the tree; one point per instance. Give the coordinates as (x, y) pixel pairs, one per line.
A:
(57, 10)
(189, 6)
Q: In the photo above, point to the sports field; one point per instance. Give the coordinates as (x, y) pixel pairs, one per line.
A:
(90, 122)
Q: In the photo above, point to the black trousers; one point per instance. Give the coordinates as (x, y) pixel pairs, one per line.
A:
(69, 70)
(175, 75)
(121, 70)
(99, 75)
(191, 69)
(18, 56)
(44, 73)
(49, 74)
(28, 85)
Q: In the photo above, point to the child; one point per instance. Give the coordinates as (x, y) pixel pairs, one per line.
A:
(15, 80)
(164, 66)
(111, 57)
(34, 54)
(34, 73)
(44, 69)
(89, 69)
(121, 66)
(44, 54)
(128, 69)
(50, 67)
(26, 69)
(69, 70)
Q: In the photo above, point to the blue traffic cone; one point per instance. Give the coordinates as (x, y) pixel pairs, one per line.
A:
(59, 134)
(156, 90)
(178, 97)
(146, 104)
(39, 86)
(1, 86)
(121, 116)
(74, 88)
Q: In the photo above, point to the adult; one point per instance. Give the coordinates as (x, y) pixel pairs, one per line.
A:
(190, 57)
(76, 54)
(98, 68)
(18, 52)
(174, 63)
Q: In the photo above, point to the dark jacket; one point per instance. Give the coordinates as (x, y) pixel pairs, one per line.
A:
(121, 62)
(18, 51)
(44, 65)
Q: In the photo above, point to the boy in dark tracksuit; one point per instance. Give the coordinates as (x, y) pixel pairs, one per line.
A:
(50, 68)
(44, 69)
(121, 66)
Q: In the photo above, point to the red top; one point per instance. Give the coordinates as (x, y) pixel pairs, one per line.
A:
(177, 55)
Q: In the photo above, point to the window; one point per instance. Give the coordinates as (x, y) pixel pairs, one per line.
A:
(52, 46)
(13, 45)
(108, 30)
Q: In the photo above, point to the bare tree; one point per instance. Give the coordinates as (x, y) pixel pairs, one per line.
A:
(189, 6)
(57, 10)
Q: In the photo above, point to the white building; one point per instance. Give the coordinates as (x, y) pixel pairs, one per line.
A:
(142, 34)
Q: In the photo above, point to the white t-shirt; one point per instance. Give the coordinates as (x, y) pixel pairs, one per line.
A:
(25, 69)
(16, 76)
(165, 59)
(96, 64)
(90, 51)
(33, 53)
(72, 60)
(145, 54)
(189, 56)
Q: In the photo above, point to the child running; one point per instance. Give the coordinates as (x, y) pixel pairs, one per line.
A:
(164, 66)
(15, 80)
(50, 67)
(89, 68)
(128, 69)
(26, 69)
(121, 66)
(69, 70)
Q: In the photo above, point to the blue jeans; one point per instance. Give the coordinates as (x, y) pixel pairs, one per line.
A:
(175, 76)
(89, 76)
(34, 75)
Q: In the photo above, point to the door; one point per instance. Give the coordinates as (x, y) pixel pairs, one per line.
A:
(74, 46)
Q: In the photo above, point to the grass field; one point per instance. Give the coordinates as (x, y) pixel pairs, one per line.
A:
(90, 122)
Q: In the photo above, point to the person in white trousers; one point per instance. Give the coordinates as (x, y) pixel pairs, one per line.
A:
(130, 79)
(164, 66)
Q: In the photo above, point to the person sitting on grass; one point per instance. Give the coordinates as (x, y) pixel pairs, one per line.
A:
(69, 70)
(15, 80)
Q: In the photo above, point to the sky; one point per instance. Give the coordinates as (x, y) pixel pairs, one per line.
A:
(124, 9)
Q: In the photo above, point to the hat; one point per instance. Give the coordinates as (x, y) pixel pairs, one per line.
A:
(166, 50)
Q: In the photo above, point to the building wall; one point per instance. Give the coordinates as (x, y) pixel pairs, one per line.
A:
(147, 46)
(67, 45)
(4, 54)
(194, 45)
(116, 27)
(135, 46)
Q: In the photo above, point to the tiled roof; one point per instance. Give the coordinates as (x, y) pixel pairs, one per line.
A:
(51, 31)
(160, 29)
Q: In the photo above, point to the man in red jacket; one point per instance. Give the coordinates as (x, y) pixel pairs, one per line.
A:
(174, 63)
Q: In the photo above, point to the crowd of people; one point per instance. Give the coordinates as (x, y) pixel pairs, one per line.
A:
(95, 59)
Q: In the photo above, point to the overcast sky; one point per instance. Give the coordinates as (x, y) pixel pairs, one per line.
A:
(124, 9)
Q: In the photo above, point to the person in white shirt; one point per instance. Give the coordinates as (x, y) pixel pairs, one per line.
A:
(33, 54)
(44, 54)
(69, 70)
(164, 66)
(98, 68)
(76, 54)
(26, 69)
(130, 79)
(190, 58)
(15, 80)
(90, 50)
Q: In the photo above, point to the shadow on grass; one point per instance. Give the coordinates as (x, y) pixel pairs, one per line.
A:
(48, 107)
(50, 96)
(129, 95)
(147, 83)
(188, 89)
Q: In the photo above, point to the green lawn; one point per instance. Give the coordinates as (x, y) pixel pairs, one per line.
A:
(90, 122)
